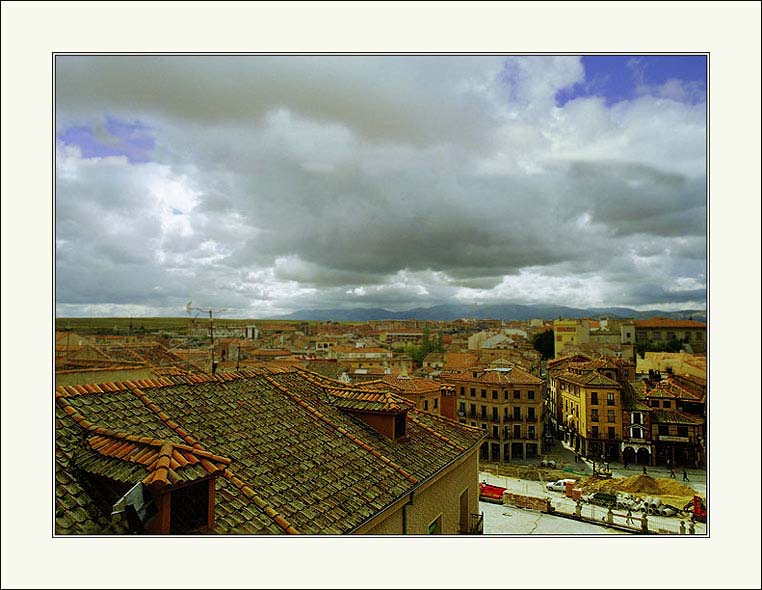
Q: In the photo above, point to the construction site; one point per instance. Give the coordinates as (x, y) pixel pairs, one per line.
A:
(599, 499)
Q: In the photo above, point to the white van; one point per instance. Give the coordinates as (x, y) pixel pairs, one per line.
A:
(558, 486)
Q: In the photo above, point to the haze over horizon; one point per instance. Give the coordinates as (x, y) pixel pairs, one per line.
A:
(270, 184)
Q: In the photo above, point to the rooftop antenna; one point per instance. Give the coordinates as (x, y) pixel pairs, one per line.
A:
(189, 308)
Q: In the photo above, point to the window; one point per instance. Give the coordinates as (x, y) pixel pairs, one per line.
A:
(494, 394)
(462, 408)
(530, 394)
(473, 392)
(682, 431)
(436, 402)
(594, 415)
(473, 423)
(517, 413)
(530, 431)
(472, 410)
(667, 404)
(400, 425)
(484, 411)
(495, 432)
(531, 413)
(484, 393)
(425, 405)
(484, 426)
(595, 432)
(516, 394)
(699, 336)
(636, 432)
(612, 433)
(495, 415)
(664, 429)
(505, 395)
(610, 401)
(464, 512)
(594, 398)
(435, 528)
(462, 391)
(611, 417)
(637, 418)
(516, 431)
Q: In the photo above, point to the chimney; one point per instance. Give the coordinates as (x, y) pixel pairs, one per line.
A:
(447, 402)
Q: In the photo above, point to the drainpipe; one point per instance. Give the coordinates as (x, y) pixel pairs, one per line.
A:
(404, 512)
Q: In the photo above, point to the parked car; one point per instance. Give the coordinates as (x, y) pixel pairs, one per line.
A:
(559, 485)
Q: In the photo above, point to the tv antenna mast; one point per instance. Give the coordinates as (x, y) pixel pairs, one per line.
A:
(189, 309)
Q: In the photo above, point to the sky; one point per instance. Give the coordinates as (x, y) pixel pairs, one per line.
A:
(263, 185)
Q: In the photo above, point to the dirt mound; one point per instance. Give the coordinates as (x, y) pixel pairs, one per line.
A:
(639, 485)
(530, 472)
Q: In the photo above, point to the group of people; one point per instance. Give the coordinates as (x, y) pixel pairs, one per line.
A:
(672, 471)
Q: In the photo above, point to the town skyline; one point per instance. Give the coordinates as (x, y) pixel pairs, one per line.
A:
(270, 184)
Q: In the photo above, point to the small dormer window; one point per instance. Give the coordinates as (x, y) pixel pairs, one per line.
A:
(400, 425)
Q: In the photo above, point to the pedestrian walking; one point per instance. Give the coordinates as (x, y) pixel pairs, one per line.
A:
(629, 517)
(672, 473)
(625, 463)
(645, 471)
(685, 475)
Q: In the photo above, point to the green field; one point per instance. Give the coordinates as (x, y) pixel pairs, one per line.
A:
(147, 325)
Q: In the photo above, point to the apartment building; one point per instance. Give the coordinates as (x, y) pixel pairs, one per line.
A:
(507, 403)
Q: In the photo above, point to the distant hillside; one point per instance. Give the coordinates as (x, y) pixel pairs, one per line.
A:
(507, 312)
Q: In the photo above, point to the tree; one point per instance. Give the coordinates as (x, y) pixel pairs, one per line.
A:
(543, 343)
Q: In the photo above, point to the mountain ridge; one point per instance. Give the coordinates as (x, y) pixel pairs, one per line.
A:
(507, 312)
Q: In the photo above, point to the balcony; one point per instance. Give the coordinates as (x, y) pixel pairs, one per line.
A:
(475, 525)
(531, 419)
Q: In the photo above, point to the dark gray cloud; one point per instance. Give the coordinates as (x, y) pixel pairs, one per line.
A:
(275, 185)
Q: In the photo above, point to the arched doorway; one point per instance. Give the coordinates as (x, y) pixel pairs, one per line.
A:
(628, 455)
(643, 456)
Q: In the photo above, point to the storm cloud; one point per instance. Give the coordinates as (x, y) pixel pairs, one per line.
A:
(266, 184)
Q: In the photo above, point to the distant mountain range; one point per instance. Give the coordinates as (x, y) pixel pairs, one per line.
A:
(507, 312)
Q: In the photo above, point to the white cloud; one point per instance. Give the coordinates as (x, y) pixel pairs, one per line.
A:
(276, 185)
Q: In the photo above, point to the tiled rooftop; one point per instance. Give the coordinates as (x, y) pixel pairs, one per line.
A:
(287, 458)
(668, 323)
(460, 360)
(588, 378)
(676, 417)
(515, 376)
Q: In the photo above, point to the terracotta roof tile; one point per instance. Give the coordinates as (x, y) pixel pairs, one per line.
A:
(327, 457)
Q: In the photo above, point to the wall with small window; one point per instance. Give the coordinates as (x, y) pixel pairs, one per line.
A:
(439, 499)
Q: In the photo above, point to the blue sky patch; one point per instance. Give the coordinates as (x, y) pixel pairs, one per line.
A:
(113, 137)
(625, 77)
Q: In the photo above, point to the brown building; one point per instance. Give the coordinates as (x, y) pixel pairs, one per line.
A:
(667, 330)
(507, 403)
(246, 453)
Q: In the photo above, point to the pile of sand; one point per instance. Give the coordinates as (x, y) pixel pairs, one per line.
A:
(638, 485)
(529, 472)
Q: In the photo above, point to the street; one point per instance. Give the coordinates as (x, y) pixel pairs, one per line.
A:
(509, 520)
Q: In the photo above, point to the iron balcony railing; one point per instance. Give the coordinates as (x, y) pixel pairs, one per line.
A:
(475, 525)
